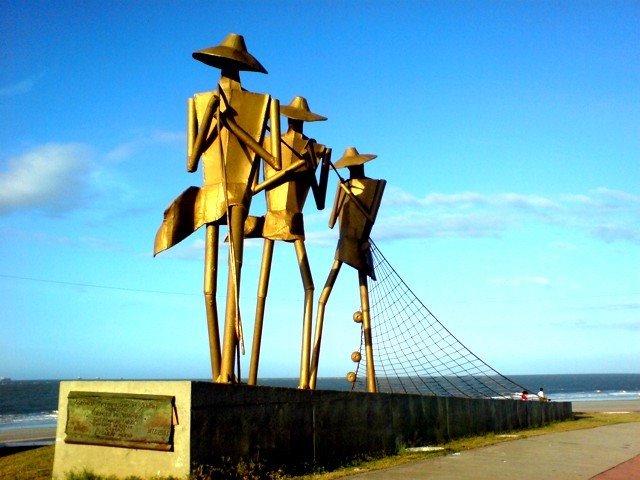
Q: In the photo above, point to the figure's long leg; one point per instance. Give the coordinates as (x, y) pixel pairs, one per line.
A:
(263, 286)
(210, 288)
(324, 296)
(307, 281)
(236, 218)
(366, 327)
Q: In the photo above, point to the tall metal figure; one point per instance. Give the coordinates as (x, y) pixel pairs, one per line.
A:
(355, 207)
(287, 191)
(226, 128)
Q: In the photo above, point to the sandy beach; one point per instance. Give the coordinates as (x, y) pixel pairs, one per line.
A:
(23, 435)
(48, 434)
(607, 406)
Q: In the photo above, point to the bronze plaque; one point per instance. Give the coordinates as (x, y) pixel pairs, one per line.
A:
(120, 420)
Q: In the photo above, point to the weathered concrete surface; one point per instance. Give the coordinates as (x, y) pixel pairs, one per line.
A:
(123, 462)
(291, 427)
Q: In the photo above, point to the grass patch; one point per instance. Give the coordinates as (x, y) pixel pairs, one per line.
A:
(86, 475)
(37, 464)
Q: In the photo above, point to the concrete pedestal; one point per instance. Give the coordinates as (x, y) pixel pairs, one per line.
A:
(289, 427)
(122, 462)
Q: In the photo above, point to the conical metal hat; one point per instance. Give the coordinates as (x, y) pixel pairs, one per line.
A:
(231, 53)
(351, 157)
(298, 109)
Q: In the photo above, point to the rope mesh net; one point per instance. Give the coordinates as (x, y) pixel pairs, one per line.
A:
(415, 353)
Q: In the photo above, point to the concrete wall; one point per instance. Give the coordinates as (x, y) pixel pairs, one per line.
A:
(290, 427)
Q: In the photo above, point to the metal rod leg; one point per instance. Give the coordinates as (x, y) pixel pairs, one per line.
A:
(263, 286)
(307, 281)
(231, 338)
(324, 296)
(210, 288)
(366, 328)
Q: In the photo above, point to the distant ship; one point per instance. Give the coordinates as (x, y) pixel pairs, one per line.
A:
(5, 379)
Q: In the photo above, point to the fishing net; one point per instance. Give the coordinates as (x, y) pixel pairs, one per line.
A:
(415, 353)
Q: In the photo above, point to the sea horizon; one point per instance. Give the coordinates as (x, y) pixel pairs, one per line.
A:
(33, 403)
(64, 379)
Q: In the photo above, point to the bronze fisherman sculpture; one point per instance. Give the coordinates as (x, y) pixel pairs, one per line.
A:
(226, 128)
(227, 132)
(283, 220)
(355, 207)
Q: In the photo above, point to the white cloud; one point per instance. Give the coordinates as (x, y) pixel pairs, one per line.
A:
(524, 281)
(20, 235)
(563, 246)
(154, 138)
(611, 232)
(61, 177)
(607, 325)
(101, 244)
(617, 195)
(605, 214)
(617, 306)
(191, 249)
(20, 88)
(441, 225)
(525, 201)
(465, 200)
(52, 177)
(603, 200)
(321, 238)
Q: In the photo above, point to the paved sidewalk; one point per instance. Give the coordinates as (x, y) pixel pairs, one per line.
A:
(613, 451)
(629, 470)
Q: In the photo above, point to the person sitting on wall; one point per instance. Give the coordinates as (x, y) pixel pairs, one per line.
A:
(542, 396)
(525, 395)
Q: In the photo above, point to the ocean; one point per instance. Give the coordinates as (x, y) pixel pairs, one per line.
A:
(34, 403)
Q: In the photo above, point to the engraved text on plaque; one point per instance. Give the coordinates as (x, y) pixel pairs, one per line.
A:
(120, 420)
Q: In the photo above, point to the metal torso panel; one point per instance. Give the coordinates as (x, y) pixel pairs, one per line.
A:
(283, 220)
(229, 167)
(355, 228)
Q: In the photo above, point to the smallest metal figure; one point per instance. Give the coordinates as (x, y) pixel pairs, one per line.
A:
(355, 207)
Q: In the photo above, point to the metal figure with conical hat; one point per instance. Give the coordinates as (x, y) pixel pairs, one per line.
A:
(287, 191)
(355, 207)
(226, 129)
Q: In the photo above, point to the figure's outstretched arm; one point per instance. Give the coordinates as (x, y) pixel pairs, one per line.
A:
(304, 161)
(279, 178)
(197, 144)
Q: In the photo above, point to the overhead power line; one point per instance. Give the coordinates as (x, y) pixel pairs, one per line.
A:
(93, 285)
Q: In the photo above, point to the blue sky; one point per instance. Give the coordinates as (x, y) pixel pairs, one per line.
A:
(508, 132)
